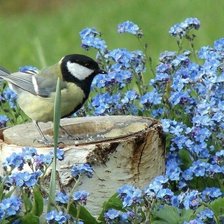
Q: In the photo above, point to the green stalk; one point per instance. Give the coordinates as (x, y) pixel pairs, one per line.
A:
(40, 52)
(57, 116)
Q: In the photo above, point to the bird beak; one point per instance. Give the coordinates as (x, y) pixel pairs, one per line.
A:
(101, 71)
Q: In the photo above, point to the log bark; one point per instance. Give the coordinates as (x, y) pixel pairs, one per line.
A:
(121, 149)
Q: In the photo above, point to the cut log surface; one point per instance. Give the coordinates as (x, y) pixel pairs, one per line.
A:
(121, 149)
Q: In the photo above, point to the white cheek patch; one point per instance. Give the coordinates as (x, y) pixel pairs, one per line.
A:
(79, 71)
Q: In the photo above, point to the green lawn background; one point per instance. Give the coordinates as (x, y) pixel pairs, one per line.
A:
(28, 31)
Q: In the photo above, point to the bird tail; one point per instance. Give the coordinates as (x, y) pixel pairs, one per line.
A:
(3, 72)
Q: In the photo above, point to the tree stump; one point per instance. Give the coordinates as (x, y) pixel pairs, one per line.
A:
(121, 149)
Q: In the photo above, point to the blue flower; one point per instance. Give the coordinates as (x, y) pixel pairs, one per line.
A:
(127, 217)
(15, 160)
(219, 44)
(121, 56)
(179, 60)
(111, 215)
(102, 103)
(94, 42)
(24, 179)
(177, 30)
(138, 61)
(3, 121)
(115, 216)
(173, 170)
(99, 81)
(89, 40)
(167, 56)
(191, 199)
(88, 32)
(194, 221)
(43, 160)
(60, 154)
(199, 168)
(82, 169)
(55, 216)
(129, 27)
(10, 96)
(151, 98)
(181, 29)
(10, 206)
(80, 197)
(205, 214)
(28, 153)
(29, 69)
(165, 194)
(130, 195)
(188, 174)
(179, 98)
(2, 214)
(62, 197)
(129, 96)
(210, 193)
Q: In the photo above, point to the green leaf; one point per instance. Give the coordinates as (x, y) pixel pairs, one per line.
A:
(57, 117)
(167, 214)
(30, 218)
(5, 222)
(57, 112)
(1, 189)
(217, 206)
(186, 215)
(113, 202)
(185, 158)
(38, 205)
(84, 214)
(27, 202)
(73, 210)
(159, 222)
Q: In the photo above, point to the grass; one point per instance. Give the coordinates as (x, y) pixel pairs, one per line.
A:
(38, 36)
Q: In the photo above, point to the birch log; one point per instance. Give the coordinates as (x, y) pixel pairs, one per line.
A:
(121, 150)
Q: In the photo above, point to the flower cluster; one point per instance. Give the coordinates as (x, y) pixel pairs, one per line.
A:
(130, 195)
(24, 179)
(187, 97)
(3, 121)
(129, 27)
(90, 39)
(58, 217)
(115, 216)
(82, 169)
(29, 69)
(30, 157)
(24, 175)
(9, 96)
(10, 207)
(113, 91)
(180, 29)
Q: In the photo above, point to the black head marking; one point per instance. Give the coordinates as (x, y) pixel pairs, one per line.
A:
(84, 61)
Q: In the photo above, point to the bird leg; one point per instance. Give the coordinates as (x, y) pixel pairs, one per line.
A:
(44, 140)
(69, 135)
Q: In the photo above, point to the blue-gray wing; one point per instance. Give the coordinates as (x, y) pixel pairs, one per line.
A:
(37, 85)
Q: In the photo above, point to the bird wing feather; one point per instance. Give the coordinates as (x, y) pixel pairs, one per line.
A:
(35, 84)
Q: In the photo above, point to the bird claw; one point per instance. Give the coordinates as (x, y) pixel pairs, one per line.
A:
(44, 141)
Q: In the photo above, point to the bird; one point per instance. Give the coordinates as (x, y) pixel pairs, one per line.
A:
(36, 91)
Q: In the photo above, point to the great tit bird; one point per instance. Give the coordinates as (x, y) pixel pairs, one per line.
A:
(36, 91)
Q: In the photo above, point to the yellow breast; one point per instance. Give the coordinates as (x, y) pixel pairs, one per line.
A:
(42, 108)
